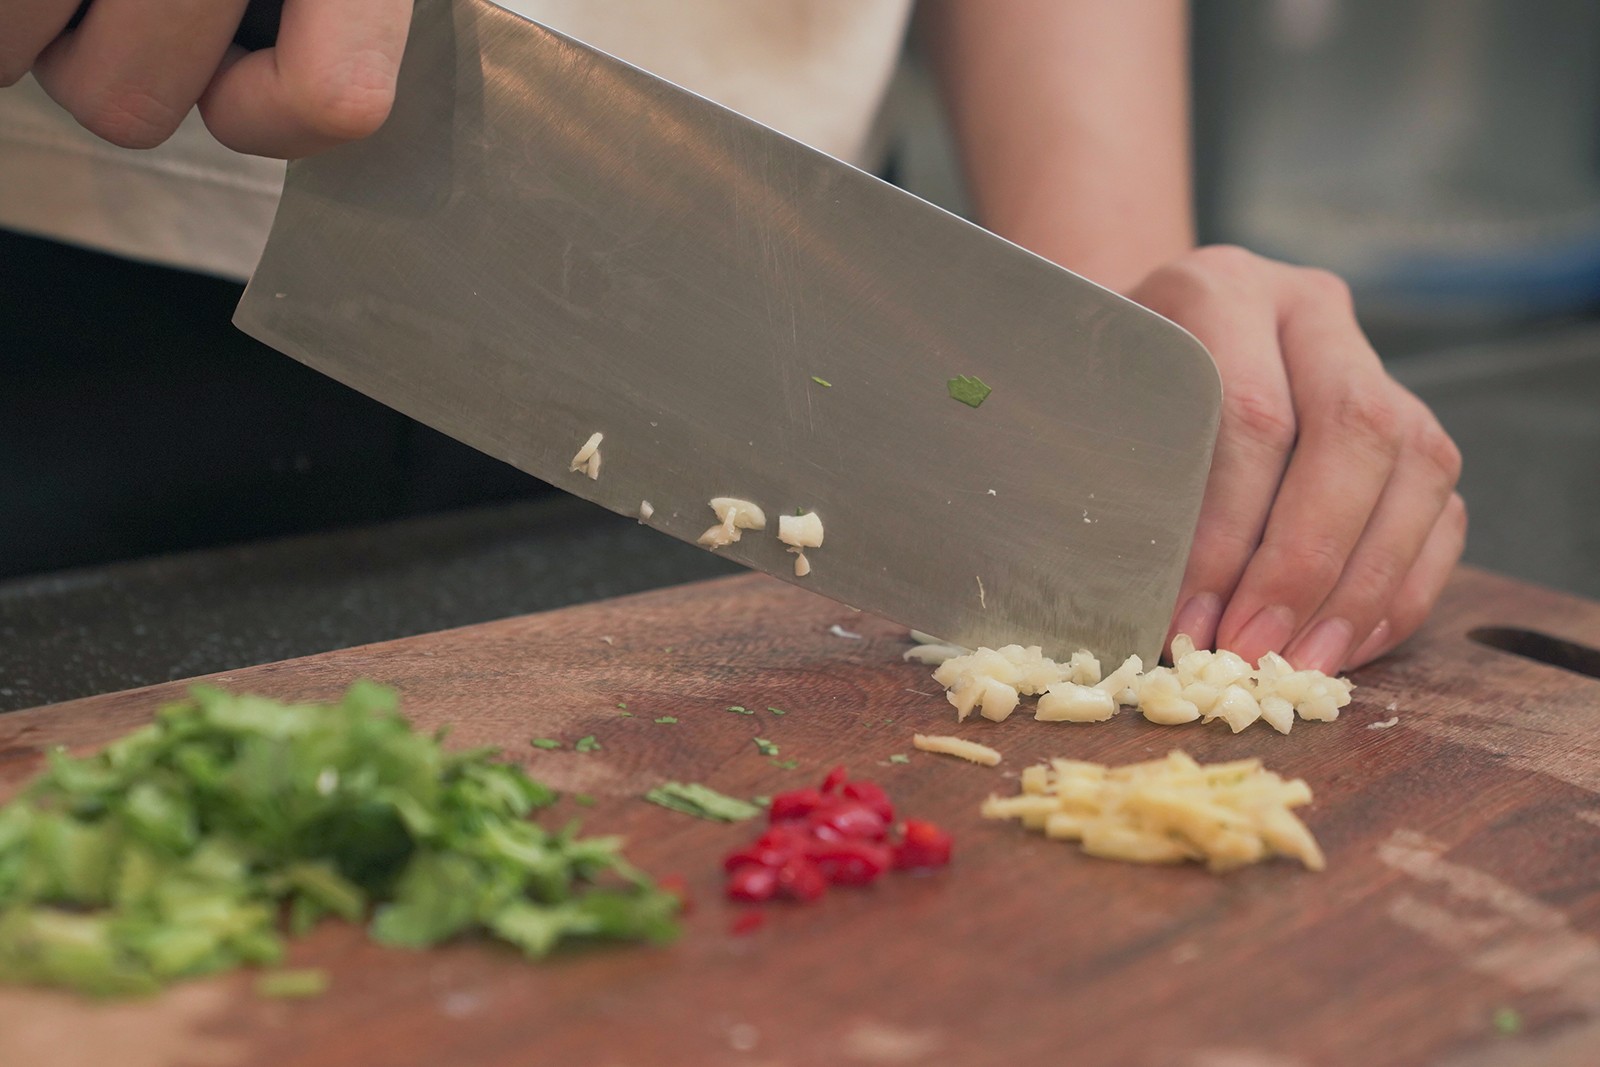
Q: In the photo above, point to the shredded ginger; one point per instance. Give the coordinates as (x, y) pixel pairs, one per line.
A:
(1166, 811)
(956, 746)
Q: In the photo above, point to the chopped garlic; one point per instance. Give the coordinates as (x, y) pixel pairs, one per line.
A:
(1237, 708)
(590, 447)
(734, 516)
(956, 746)
(933, 655)
(1393, 720)
(587, 459)
(741, 513)
(1277, 713)
(1122, 678)
(1165, 811)
(800, 531)
(1212, 685)
(1071, 702)
(802, 566)
(646, 509)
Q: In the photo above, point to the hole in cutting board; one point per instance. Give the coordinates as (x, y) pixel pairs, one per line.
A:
(1531, 644)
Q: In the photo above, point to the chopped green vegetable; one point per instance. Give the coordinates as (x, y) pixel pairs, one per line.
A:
(776, 711)
(703, 802)
(624, 707)
(765, 747)
(627, 715)
(740, 710)
(193, 844)
(306, 982)
(586, 744)
(761, 802)
(822, 382)
(1507, 1021)
(786, 764)
(584, 799)
(545, 742)
(667, 719)
(967, 389)
(899, 757)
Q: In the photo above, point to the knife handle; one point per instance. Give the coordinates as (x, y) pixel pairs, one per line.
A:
(258, 28)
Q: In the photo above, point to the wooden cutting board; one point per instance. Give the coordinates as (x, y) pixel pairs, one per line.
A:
(1463, 866)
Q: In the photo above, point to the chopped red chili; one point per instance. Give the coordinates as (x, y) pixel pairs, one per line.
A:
(923, 845)
(837, 834)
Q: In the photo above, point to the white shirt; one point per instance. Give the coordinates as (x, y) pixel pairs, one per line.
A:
(814, 69)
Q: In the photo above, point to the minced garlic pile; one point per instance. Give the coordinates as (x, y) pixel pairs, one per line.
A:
(1202, 685)
(1166, 811)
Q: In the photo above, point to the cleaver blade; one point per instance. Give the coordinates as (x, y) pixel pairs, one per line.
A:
(544, 242)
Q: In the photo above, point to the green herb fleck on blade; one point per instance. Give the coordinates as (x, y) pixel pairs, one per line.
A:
(289, 985)
(899, 757)
(967, 389)
(765, 747)
(586, 744)
(822, 382)
(776, 711)
(703, 802)
(1507, 1022)
(667, 720)
(545, 743)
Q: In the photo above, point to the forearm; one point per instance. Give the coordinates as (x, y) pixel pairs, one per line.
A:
(1072, 122)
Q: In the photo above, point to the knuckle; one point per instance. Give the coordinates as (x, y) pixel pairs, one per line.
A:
(1326, 286)
(1406, 615)
(349, 102)
(1370, 584)
(1227, 261)
(1202, 276)
(1260, 416)
(1441, 453)
(1455, 513)
(1369, 415)
(129, 117)
(1218, 556)
(1310, 563)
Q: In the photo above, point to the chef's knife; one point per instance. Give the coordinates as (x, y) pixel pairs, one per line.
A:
(544, 242)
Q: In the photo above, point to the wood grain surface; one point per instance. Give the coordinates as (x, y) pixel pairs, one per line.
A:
(1463, 867)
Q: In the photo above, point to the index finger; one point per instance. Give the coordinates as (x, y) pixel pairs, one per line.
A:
(329, 79)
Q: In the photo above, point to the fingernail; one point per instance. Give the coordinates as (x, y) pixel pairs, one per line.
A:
(1324, 648)
(1198, 618)
(1267, 631)
(1372, 645)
